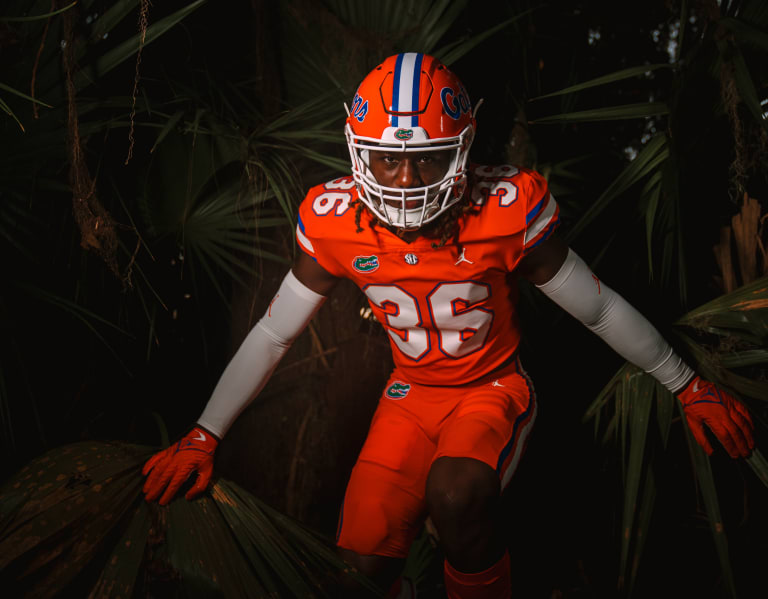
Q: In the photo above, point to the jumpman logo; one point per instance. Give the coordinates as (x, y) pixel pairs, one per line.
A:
(462, 258)
(496, 383)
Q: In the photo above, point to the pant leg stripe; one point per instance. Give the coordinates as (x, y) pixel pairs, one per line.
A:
(513, 450)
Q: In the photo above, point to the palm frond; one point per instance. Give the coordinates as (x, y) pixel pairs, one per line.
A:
(745, 33)
(454, 51)
(77, 512)
(606, 79)
(640, 390)
(746, 86)
(741, 318)
(708, 489)
(653, 155)
(123, 51)
(36, 17)
(609, 113)
(85, 316)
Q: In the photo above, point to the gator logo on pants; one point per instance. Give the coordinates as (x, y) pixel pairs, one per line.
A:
(398, 390)
(366, 263)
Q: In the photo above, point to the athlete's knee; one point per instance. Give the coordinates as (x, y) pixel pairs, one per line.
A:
(460, 490)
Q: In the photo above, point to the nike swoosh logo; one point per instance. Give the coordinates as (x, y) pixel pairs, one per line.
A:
(695, 387)
(200, 438)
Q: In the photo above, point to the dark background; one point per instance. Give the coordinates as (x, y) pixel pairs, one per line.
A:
(67, 377)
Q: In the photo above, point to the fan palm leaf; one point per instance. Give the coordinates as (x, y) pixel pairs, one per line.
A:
(738, 319)
(76, 516)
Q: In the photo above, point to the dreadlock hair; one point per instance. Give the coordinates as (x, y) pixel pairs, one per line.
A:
(358, 216)
(448, 227)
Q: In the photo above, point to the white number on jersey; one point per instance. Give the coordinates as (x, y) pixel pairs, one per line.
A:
(461, 329)
(403, 315)
(340, 183)
(329, 200)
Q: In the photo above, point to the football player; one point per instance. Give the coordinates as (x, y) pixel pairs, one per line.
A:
(431, 241)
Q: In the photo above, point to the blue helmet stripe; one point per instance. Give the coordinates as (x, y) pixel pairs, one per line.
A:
(415, 87)
(396, 89)
(405, 88)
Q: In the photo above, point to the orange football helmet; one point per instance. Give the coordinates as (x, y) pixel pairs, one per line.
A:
(411, 102)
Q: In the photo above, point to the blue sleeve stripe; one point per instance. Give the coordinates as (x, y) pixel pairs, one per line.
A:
(534, 212)
(544, 235)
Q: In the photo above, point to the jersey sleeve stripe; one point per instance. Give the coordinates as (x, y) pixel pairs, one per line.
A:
(536, 210)
(544, 234)
(541, 218)
(303, 240)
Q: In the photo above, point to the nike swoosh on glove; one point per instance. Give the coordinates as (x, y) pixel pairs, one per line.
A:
(703, 403)
(169, 469)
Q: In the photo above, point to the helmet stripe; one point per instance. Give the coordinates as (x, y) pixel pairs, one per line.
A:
(416, 81)
(396, 90)
(405, 88)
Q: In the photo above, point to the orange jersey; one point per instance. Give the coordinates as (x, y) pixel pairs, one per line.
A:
(450, 312)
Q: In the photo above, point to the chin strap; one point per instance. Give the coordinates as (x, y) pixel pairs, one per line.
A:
(288, 314)
(580, 293)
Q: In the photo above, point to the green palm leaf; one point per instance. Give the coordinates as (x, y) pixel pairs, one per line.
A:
(708, 490)
(650, 158)
(610, 113)
(456, 50)
(746, 85)
(745, 33)
(742, 318)
(116, 56)
(606, 79)
(36, 17)
(70, 507)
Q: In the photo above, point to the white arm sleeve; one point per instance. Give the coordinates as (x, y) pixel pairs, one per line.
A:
(580, 293)
(248, 371)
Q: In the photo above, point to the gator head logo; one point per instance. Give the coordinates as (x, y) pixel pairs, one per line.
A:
(365, 263)
(403, 134)
(397, 390)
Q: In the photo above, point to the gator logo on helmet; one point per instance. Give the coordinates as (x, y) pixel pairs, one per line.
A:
(403, 134)
(397, 390)
(365, 263)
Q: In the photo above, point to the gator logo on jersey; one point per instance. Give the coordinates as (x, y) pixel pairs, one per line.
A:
(398, 390)
(365, 263)
(403, 134)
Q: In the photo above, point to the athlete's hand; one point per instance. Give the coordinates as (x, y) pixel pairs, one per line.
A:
(703, 403)
(169, 469)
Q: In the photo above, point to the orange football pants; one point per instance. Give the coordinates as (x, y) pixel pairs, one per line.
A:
(488, 420)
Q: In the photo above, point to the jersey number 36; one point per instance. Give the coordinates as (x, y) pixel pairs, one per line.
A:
(461, 327)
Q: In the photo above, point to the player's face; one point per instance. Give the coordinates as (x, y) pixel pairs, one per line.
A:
(407, 170)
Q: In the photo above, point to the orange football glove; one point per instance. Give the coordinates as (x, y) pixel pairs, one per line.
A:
(703, 403)
(171, 467)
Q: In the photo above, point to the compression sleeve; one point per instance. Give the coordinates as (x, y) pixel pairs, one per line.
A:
(248, 371)
(580, 293)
